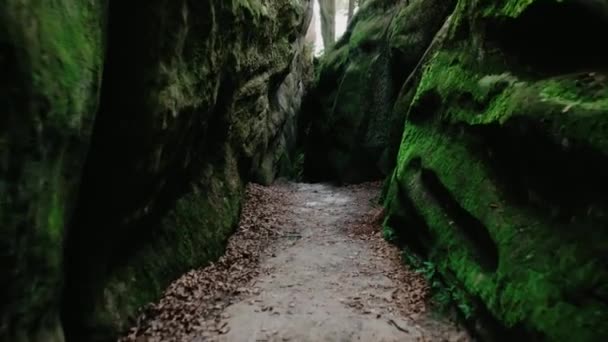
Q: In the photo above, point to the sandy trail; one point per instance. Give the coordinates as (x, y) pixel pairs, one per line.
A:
(325, 274)
(323, 284)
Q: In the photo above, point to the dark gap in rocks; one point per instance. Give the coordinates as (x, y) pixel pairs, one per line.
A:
(426, 107)
(592, 295)
(311, 132)
(400, 70)
(483, 325)
(293, 36)
(413, 232)
(554, 37)
(463, 31)
(372, 134)
(484, 248)
(10, 82)
(178, 180)
(309, 111)
(465, 98)
(368, 47)
(407, 230)
(121, 209)
(410, 227)
(15, 133)
(361, 170)
(467, 101)
(191, 50)
(100, 200)
(566, 183)
(397, 125)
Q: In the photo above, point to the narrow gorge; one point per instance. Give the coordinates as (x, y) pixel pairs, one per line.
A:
(197, 171)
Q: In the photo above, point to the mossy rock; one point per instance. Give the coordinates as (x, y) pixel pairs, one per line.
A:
(48, 96)
(192, 234)
(351, 110)
(500, 175)
(113, 186)
(198, 99)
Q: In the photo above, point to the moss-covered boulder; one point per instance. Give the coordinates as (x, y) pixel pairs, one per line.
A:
(111, 186)
(501, 174)
(351, 121)
(48, 100)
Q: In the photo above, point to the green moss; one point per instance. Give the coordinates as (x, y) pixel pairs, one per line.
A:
(58, 67)
(536, 265)
(474, 95)
(191, 235)
(510, 8)
(356, 84)
(332, 63)
(579, 104)
(157, 199)
(497, 9)
(369, 31)
(573, 104)
(253, 7)
(52, 56)
(457, 168)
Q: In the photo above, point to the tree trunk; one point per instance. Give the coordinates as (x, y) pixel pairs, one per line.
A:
(328, 22)
(351, 9)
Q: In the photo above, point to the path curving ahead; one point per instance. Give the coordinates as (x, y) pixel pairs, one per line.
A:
(319, 272)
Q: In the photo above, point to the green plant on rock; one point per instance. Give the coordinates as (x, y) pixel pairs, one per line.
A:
(389, 234)
(445, 297)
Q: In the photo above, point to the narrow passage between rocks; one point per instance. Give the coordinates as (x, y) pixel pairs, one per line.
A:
(308, 263)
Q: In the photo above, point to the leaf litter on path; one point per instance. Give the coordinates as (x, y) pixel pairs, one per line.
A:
(195, 301)
(195, 307)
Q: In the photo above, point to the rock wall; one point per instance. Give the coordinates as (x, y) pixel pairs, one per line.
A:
(48, 96)
(500, 175)
(350, 117)
(499, 179)
(131, 129)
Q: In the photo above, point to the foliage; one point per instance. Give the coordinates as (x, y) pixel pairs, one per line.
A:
(445, 296)
(389, 234)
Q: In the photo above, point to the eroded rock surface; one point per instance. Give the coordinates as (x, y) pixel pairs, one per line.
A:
(48, 100)
(196, 98)
(499, 179)
(350, 107)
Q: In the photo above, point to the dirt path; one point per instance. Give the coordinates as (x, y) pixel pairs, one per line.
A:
(319, 272)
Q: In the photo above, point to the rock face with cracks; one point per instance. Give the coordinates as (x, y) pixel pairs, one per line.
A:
(499, 180)
(129, 131)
